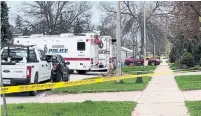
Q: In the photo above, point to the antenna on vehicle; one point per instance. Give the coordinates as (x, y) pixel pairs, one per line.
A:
(27, 53)
(8, 52)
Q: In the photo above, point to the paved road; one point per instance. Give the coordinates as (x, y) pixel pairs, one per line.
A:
(75, 77)
(23, 97)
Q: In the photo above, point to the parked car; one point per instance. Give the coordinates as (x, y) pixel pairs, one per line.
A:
(60, 70)
(153, 61)
(138, 60)
(24, 65)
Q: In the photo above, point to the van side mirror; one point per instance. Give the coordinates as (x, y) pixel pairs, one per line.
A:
(67, 63)
(48, 60)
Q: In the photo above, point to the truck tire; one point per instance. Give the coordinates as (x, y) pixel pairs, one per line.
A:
(71, 71)
(81, 71)
(67, 78)
(33, 93)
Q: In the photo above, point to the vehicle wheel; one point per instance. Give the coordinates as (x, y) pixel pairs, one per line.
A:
(71, 71)
(33, 93)
(138, 64)
(67, 78)
(153, 63)
(51, 80)
(81, 71)
(127, 63)
(59, 77)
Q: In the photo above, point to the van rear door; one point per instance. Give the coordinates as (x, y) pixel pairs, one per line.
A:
(83, 60)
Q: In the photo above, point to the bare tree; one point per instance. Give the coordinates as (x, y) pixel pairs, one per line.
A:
(185, 20)
(132, 16)
(49, 16)
(107, 26)
(184, 27)
(19, 22)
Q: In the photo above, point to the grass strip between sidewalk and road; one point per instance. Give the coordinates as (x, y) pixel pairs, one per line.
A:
(194, 107)
(189, 82)
(87, 108)
(110, 86)
(138, 68)
(142, 69)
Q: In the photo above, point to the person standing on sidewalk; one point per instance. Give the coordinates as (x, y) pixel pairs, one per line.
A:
(114, 66)
(110, 69)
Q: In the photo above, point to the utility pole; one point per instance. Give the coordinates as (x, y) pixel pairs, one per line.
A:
(200, 21)
(144, 33)
(136, 46)
(133, 50)
(4, 98)
(154, 48)
(118, 40)
(3, 95)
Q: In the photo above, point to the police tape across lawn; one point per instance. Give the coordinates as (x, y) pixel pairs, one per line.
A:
(33, 87)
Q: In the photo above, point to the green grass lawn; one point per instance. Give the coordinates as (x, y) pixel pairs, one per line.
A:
(142, 69)
(141, 72)
(172, 66)
(194, 107)
(87, 108)
(189, 82)
(110, 86)
(192, 69)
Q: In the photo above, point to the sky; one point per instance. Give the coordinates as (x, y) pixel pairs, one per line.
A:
(16, 5)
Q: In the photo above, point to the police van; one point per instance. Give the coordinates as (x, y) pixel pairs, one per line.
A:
(81, 52)
(105, 51)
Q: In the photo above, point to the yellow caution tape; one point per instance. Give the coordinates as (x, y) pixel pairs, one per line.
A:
(33, 87)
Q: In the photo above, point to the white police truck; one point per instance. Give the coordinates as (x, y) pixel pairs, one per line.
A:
(24, 65)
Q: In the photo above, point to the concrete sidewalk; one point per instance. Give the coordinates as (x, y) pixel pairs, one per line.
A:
(162, 97)
(81, 97)
(194, 95)
(105, 96)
